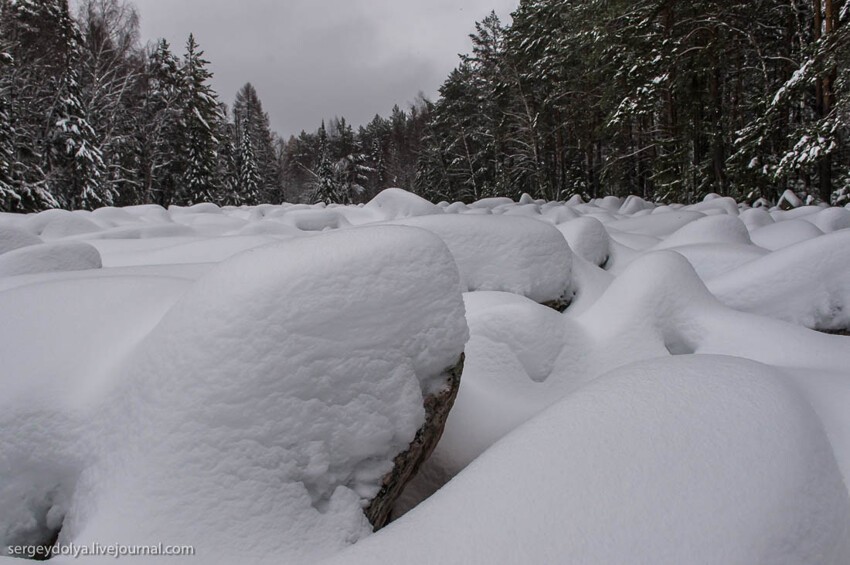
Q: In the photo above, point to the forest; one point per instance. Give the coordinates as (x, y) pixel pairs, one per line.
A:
(667, 100)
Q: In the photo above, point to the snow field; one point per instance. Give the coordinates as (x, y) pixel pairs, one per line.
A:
(240, 379)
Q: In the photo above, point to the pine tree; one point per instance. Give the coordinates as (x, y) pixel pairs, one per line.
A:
(249, 177)
(200, 117)
(9, 198)
(75, 157)
(158, 134)
(324, 188)
(251, 119)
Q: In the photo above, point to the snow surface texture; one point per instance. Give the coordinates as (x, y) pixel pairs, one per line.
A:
(240, 379)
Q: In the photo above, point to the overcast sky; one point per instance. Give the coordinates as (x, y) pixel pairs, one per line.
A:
(313, 59)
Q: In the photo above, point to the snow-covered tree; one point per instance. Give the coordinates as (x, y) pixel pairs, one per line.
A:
(200, 116)
(9, 198)
(250, 118)
(249, 177)
(157, 128)
(324, 187)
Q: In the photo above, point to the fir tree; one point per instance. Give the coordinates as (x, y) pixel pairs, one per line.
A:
(249, 177)
(158, 132)
(75, 156)
(250, 118)
(324, 188)
(199, 121)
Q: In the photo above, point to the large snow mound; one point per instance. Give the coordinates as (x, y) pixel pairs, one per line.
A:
(807, 283)
(262, 412)
(668, 461)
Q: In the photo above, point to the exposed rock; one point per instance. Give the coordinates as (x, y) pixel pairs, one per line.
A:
(561, 304)
(437, 407)
(845, 331)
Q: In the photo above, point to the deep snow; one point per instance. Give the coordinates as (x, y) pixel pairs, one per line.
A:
(240, 379)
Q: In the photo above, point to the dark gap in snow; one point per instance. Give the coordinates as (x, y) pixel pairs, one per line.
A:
(678, 347)
(39, 541)
(47, 545)
(844, 331)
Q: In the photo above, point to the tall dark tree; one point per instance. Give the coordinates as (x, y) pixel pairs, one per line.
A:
(251, 120)
(200, 118)
(157, 127)
(249, 179)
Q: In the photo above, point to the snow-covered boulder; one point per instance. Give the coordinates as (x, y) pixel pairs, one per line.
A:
(784, 234)
(694, 459)
(54, 224)
(271, 404)
(47, 257)
(807, 283)
(755, 218)
(12, 238)
(829, 220)
(505, 253)
(657, 225)
(312, 220)
(711, 229)
(587, 238)
(395, 203)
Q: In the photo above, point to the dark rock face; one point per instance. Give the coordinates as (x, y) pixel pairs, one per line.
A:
(845, 332)
(560, 304)
(407, 463)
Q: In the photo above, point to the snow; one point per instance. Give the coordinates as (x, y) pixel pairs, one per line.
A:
(12, 238)
(46, 257)
(587, 238)
(711, 229)
(666, 461)
(395, 203)
(504, 253)
(241, 378)
(263, 438)
(783, 234)
(807, 283)
(54, 224)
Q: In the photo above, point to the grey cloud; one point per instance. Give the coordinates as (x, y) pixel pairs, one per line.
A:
(313, 59)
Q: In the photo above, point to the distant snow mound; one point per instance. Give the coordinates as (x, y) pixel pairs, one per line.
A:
(711, 229)
(54, 224)
(12, 238)
(395, 203)
(505, 253)
(49, 257)
(587, 238)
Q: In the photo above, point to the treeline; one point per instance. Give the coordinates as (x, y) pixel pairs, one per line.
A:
(668, 100)
(341, 164)
(89, 118)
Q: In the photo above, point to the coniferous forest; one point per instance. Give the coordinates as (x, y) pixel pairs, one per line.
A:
(668, 100)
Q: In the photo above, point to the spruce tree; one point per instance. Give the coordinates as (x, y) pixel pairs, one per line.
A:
(158, 132)
(249, 177)
(200, 117)
(75, 156)
(324, 188)
(9, 198)
(250, 118)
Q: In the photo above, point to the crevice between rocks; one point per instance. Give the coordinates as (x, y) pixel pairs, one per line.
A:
(407, 463)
